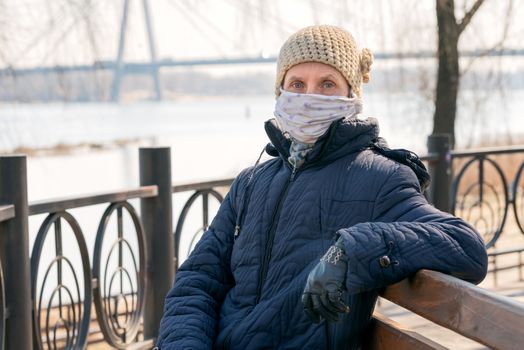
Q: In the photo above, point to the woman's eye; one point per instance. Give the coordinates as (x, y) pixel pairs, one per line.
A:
(328, 85)
(297, 85)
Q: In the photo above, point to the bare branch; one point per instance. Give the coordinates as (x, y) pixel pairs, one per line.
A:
(469, 15)
(500, 43)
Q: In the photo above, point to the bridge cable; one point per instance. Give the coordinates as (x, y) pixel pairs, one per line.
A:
(252, 12)
(206, 20)
(196, 25)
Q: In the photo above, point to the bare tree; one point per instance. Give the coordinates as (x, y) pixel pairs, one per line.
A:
(449, 31)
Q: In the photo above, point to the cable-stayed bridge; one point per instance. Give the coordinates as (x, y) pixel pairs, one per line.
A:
(258, 9)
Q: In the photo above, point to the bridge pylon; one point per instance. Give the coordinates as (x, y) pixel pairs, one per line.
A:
(119, 70)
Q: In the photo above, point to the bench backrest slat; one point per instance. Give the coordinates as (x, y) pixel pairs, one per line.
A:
(388, 334)
(490, 319)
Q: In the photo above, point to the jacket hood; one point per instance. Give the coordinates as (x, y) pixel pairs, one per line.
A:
(343, 137)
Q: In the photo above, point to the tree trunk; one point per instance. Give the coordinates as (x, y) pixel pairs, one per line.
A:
(448, 70)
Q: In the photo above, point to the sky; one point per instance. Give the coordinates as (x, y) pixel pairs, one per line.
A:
(66, 32)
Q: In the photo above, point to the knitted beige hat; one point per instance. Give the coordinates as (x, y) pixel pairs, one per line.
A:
(325, 44)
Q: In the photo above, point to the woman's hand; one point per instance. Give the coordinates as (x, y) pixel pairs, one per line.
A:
(322, 297)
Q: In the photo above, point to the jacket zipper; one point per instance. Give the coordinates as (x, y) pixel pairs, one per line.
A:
(267, 255)
(276, 214)
(271, 236)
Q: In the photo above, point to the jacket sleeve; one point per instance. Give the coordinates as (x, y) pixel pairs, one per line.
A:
(407, 234)
(192, 306)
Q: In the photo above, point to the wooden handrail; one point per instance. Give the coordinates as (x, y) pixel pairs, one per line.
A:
(7, 212)
(60, 204)
(197, 186)
(488, 318)
(488, 151)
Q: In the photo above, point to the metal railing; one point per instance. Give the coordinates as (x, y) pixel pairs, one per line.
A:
(487, 201)
(202, 189)
(128, 293)
(69, 328)
(46, 295)
(101, 286)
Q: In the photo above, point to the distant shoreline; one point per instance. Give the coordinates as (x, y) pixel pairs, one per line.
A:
(95, 86)
(87, 147)
(70, 149)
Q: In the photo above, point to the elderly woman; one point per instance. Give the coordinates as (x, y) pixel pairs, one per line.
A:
(303, 242)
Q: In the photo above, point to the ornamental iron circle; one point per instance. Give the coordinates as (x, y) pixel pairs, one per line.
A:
(119, 313)
(518, 198)
(205, 218)
(482, 203)
(74, 322)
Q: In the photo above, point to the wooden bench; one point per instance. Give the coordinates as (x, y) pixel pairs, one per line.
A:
(490, 319)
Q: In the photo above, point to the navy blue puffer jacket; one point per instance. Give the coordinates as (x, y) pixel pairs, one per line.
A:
(243, 291)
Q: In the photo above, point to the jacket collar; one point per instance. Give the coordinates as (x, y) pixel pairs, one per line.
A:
(343, 137)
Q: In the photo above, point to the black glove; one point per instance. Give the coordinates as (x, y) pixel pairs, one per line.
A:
(322, 297)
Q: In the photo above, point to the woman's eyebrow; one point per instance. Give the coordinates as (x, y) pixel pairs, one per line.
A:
(322, 77)
(328, 76)
(293, 78)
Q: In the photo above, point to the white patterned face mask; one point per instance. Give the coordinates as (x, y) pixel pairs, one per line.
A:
(306, 117)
